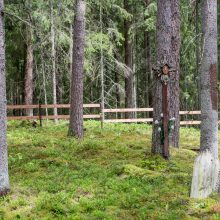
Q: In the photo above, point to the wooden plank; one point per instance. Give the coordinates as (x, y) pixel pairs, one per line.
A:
(22, 106)
(9, 107)
(147, 110)
(190, 112)
(190, 122)
(50, 117)
(91, 106)
(68, 106)
(22, 117)
(133, 120)
(91, 116)
(149, 120)
(128, 110)
(56, 106)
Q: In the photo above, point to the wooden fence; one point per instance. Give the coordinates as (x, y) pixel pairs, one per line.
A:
(40, 107)
(98, 116)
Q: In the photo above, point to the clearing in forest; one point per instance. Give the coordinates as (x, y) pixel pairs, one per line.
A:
(111, 174)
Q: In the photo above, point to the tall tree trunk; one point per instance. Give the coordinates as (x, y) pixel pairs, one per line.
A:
(135, 76)
(198, 53)
(168, 46)
(129, 78)
(102, 70)
(53, 56)
(71, 51)
(44, 85)
(4, 179)
(147, 70)
(117, 89)
(70, 56)
(28, 81)
(76, 111)
(175, 76)
(117, 86)
(209, 79)
(147, 52)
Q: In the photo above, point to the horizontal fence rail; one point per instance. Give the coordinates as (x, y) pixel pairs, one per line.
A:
(50, 106)
(101, 111)
(40, 116)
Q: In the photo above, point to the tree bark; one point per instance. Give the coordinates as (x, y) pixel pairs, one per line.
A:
(4, 178)
(129, 78)
(71, 51)
(117, 89)
(76, 111)
(102, 75)
(147, 75)
(44, 85)
(53, 56)
(175, 76)
(168, 49)
(147, 69)
(28, 81)
(209, 79)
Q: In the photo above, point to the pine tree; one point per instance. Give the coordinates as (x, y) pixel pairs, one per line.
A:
(76, 114)
(166, 106)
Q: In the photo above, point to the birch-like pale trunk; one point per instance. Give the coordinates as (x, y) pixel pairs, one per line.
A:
(4, 178)
(147, 51)
(28, 81)
(76, 108)
(53, 56)
(209, 79)
(102, 70)
(206, 175)
(148, 67)
(44, 86)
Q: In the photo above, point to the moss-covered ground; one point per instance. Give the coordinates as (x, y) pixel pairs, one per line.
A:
(111, 174)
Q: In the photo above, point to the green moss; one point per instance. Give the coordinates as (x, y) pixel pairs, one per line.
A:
(111, 174)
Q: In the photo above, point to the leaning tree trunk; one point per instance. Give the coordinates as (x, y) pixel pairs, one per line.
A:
(209, 79)
(129, 78)
(4, 179)
(28, 81)
(168, 46)
(76, 111)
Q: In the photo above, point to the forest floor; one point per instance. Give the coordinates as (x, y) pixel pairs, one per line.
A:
(111, 174)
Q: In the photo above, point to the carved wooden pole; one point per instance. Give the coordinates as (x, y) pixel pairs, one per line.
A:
(166, 123)
(165, 108)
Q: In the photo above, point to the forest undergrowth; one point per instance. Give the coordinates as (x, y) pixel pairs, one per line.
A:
(111, 174)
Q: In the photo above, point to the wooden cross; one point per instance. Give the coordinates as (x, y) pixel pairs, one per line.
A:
(164, 74)
(165, 109)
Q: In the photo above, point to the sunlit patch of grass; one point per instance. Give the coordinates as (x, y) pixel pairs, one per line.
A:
(111, 174)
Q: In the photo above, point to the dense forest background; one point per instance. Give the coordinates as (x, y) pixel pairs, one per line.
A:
(39, 41)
